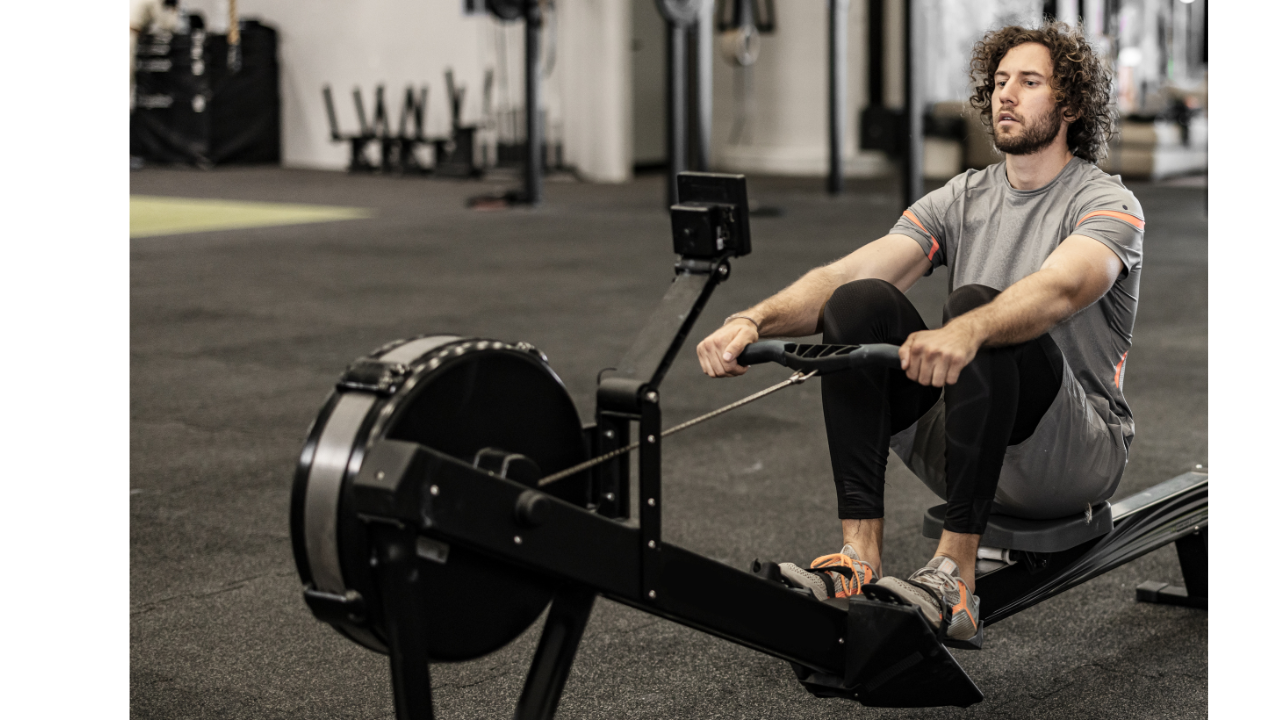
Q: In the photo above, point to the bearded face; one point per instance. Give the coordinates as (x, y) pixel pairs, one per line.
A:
(1025, 135)
(1025, 115)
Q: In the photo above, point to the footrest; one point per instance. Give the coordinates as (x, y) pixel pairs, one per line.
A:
(884, 594)
(1153, 591)
(894, 659)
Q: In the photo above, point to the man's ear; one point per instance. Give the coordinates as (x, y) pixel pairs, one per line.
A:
(1070, 114)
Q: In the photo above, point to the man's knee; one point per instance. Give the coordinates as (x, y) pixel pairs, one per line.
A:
(860, 293)
(966, 298)
(855, 304)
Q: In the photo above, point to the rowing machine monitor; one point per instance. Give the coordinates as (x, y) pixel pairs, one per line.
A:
(709, 219)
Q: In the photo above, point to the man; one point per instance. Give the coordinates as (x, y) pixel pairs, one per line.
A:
(1016, 400)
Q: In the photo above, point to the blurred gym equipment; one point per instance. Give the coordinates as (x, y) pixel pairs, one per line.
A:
(455, 154)
(195, 107)
(531, 11)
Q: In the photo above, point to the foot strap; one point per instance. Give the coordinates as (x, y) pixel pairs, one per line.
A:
(886, 594)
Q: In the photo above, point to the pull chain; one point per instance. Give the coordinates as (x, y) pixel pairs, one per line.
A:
(796, 378)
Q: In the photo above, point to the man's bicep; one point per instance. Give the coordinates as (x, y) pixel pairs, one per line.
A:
(1089, 266)
(897, 259)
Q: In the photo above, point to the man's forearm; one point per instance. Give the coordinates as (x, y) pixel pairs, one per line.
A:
(1072, 278)
(1027, 309)
(797, 309)
(1075, 275)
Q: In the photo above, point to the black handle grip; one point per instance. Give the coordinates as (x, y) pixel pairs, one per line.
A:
(764, 351)
(882, 354)
(823, 358)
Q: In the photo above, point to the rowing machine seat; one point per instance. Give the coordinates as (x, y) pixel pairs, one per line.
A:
(1043, 536)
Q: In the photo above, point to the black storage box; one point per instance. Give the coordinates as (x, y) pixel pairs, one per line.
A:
(191, 109)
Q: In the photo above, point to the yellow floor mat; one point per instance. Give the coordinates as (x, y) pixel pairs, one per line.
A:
(150, 215)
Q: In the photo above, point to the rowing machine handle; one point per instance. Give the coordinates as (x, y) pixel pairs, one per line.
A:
(823, 358)
(763, 351)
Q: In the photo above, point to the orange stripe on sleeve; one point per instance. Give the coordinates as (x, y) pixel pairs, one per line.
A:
(912, 217)
(1119, 367)
(1132, 220)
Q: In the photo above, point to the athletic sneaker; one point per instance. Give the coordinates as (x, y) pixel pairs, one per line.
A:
(839, 575)
(938, 590)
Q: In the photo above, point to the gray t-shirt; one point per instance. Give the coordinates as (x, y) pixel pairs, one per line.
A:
(988, 233)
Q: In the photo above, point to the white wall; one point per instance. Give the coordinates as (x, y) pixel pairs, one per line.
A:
(596, 74)
(787, 106)
(345, 43)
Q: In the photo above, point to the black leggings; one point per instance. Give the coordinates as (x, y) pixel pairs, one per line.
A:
(997, 401)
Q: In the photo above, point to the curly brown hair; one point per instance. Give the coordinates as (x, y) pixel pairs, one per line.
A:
(1081, 81)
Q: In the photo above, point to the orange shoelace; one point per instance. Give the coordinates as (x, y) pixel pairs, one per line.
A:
(847, 584)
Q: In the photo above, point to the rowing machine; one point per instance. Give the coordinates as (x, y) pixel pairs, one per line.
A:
(441, 462)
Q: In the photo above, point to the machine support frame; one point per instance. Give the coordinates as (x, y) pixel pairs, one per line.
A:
(472, 507)
(561, 635)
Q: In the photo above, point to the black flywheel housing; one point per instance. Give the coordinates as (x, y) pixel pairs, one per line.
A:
(457, 396)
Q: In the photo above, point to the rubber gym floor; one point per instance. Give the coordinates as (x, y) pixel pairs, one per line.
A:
(239, 333)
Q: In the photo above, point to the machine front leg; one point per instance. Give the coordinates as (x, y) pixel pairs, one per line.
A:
(403, 599)
(560, 637)
(1193, 556)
